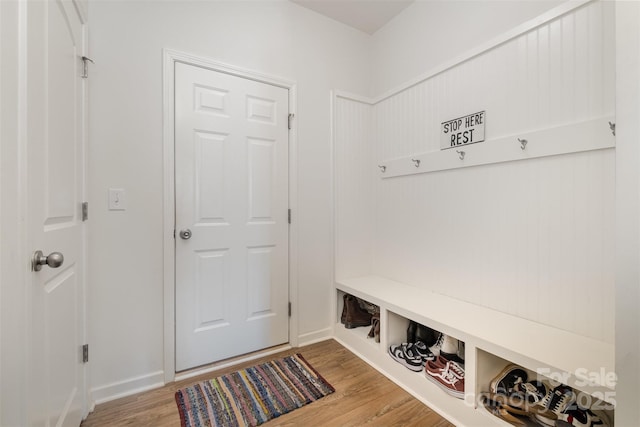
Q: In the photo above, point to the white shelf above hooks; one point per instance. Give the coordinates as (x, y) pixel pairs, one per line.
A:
(573, 138)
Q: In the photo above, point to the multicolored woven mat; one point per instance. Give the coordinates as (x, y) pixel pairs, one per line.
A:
(252, 396)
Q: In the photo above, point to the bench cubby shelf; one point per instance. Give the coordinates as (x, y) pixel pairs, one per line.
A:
(492, 339)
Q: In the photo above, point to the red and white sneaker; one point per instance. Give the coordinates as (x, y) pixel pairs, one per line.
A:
(449, 377)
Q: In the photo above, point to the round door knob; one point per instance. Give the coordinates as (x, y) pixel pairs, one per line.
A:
(53, 260)
(185, 234)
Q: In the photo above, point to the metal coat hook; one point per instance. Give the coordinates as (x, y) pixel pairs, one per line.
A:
(612, 126)
(416, 162)
(383, 168)
(523, 143)
(85, 69)
(461, 154)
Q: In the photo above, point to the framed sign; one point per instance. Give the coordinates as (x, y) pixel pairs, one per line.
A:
(463, 131)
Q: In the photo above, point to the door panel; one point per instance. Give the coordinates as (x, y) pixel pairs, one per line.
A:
(261, 165)
(210, 280)
(231, 153)
(209, 177)
(55, 182)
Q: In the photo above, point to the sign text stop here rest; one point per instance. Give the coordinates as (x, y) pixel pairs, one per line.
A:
(463, 131)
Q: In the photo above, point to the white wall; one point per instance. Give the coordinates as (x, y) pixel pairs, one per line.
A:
(353, 177)
(429, 33)
(627, 213)
(531, 238)
(126, 40)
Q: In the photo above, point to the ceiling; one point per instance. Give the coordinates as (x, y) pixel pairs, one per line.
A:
(365, 15)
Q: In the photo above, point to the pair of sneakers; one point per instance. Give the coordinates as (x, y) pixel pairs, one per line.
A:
(513, 394)
(411, 355)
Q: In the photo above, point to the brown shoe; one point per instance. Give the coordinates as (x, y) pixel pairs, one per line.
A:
(374, 332)
(355, 316)
(343, 317)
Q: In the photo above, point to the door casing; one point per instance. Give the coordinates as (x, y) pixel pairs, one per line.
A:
(170, 57)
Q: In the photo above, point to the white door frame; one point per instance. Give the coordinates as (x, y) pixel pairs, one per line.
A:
(170, 57)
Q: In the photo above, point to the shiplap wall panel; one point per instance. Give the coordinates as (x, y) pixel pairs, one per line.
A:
(531, 238)
(536, 245)
(353, 174)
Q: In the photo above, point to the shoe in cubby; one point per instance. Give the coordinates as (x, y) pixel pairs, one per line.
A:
(512, 389)
(407, 355)
(449, 377)
(418, 332)
(556, 401)
(580, 417)
(374, 332)
(353, 315)
(448, 347)
(508, 379)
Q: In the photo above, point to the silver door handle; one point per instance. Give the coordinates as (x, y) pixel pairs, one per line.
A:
(53, 260)
(185, 234)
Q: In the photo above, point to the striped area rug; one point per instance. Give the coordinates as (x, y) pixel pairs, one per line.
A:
(252, 396)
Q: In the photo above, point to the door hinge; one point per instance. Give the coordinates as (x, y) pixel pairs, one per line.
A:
(289, 216)
(85, 66)
(85, 353)
(85, 211)
(291, 116)
(612, 128)
(289, 308)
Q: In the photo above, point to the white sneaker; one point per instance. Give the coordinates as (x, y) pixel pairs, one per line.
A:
(447, 347)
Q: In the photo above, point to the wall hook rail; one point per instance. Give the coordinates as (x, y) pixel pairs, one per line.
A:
(523, 143)
(416, 162)
(383, 168)
(461, 154)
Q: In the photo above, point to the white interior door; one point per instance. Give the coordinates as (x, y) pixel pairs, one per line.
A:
(231, 165)
(55, 183)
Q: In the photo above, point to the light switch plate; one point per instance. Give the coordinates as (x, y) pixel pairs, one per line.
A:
(117, 200)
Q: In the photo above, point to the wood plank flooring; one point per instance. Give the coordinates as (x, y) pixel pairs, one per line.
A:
(362, 396)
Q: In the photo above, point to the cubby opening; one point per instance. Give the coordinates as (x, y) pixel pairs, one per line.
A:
(402, 331)
(361, 331)
(601, 402)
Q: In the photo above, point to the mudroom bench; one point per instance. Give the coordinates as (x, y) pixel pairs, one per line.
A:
(492, 340)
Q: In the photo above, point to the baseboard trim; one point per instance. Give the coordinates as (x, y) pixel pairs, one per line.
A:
(315, 336)
(128, 387)
(125, 388)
